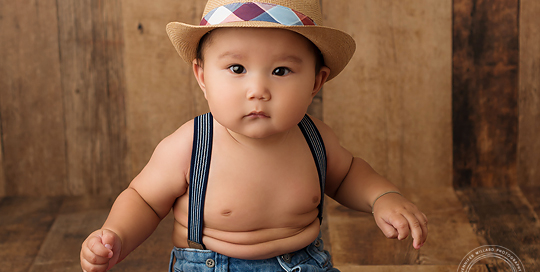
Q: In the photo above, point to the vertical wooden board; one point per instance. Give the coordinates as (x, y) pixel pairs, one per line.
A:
(484, 95)
(91, 46)
(391, 105)
(31, 108)
(162, 91)
(529, 94)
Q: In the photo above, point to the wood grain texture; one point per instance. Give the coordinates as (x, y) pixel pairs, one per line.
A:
(31, 107)
(2, 175)
(485, 92)
(72, 230)
(356, 239)
(24, 224)
(77, 218)
(392, 104)
(162, 91)
(93, 84)
(529, 94)
(505, 218)
(532, 193)
(409, 268)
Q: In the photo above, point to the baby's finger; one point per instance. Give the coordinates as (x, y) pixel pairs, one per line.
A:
(87, 266)
(91, 257)
(97, 247)
(388, 230)
(400, 223)
(417, 230)
(424, 223)
(108, 238)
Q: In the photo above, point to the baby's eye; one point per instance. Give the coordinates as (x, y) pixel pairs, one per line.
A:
(281, 71)
(237, 69)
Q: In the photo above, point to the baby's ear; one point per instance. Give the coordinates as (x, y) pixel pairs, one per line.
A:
(320, 79)
(198, 71)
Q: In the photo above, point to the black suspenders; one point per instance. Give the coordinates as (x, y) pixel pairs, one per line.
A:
(198, 176)
(200, 165)
(316, 145)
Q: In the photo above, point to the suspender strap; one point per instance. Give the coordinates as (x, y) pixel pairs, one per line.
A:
(198, 176)
(316, 145)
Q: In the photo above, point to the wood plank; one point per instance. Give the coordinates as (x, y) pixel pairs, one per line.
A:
(24, 224)
(356, 240)
(93, 84)
(392, 103)
(529, 94)
(162, 91)
(61, 248)
(2, 175)
(531, 194)
(77, 219)
(31, 108)
(485, 92)
(409, 268)
(503, 217)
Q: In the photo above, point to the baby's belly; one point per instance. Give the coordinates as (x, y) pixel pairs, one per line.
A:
(252, 230)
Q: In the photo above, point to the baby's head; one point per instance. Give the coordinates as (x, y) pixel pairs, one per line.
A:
(301, 16)
(260, 64)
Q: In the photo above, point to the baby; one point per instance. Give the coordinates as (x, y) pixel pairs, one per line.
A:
(247, 180)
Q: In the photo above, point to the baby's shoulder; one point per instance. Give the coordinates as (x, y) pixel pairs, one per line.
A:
(177, 146)
(330, 139)
(326, 131)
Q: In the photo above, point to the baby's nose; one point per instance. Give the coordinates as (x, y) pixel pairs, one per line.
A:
(258, 90)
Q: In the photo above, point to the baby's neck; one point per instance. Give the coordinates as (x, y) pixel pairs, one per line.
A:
(271, 141)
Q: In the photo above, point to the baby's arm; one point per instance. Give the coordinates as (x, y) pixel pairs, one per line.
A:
(352, 182)
(138, 210)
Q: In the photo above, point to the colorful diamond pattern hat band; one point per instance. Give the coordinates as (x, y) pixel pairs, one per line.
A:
(253, 11)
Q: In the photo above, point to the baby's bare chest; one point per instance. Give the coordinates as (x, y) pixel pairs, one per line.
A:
(247, 185)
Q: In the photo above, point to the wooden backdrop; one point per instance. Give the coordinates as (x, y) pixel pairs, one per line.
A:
(439, 93)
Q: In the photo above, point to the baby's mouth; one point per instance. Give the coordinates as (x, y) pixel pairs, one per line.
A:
(257, 114)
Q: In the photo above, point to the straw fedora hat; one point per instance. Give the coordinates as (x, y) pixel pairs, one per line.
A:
(301, 16)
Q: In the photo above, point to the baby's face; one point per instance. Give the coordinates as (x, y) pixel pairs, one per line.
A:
(258, 82)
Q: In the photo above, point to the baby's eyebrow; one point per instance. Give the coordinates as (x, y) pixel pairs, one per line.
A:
(290, 58)
(230, 54)
(240, 56)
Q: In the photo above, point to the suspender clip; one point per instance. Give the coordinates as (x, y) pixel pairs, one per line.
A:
(196, 245)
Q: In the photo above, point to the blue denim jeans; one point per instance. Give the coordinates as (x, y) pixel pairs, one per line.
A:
(312, 258)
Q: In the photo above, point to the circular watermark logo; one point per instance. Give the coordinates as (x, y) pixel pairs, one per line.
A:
(490, 251)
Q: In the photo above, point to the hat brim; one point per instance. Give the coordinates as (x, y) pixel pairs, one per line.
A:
(337, 47)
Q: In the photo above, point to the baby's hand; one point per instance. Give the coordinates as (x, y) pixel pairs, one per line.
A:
(397, 218)
(100, 251)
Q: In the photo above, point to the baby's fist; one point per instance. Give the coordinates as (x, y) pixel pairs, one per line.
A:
(100, 251)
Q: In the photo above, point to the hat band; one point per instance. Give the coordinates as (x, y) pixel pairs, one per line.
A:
(254, 11)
